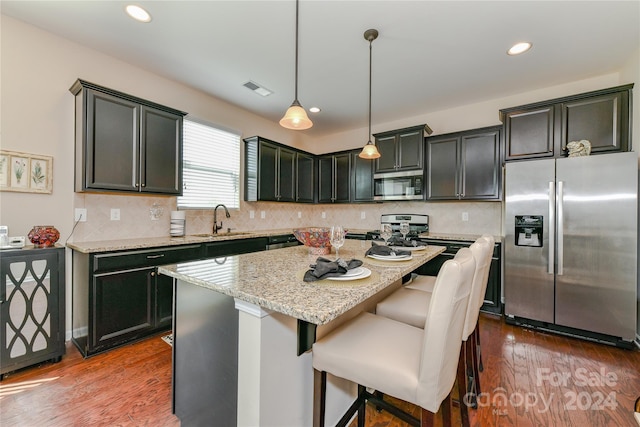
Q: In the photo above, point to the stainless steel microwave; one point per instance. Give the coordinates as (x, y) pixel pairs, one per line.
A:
(398, 185)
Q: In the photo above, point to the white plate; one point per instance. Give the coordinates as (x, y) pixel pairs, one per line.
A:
(364, 272)
(354, 272)
(391, 258)
(409, 248)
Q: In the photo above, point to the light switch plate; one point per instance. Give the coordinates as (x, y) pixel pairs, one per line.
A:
(115, 214)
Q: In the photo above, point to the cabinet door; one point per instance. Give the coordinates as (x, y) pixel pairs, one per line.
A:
(123, 307)
(325, 179)
(32, 314)
(362, 178)
(304, 178)
(442, 169)
(161, 152)
(480, 166)
(410, 150)
(286, 175)
(387, 161)
(602, 120)
(342, 178)
(112, 143)
(164, 300)
(529, 133)
(268, 172)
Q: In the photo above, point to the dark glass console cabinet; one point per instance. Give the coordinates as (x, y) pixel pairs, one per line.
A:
(32, 307)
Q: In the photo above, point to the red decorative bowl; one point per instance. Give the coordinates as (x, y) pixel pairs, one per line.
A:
(43, 235)
(316, 238)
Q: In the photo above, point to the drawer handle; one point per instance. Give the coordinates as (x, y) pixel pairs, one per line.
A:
(155, 256)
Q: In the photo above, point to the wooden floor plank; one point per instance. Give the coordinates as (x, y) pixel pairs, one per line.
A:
(131, 385)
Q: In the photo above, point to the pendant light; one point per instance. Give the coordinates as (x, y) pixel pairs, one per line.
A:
(296, 118)
(370, 151)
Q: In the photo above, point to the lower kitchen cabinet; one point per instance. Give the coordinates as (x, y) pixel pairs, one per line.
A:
(235, 247)
(32, 307)
(492, 298)
(118, 297)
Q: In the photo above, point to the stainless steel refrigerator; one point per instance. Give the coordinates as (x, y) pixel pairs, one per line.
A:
(571, 245)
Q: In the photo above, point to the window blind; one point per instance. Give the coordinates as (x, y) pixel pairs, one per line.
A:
(211, 167)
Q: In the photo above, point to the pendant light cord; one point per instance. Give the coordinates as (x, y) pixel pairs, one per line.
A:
(296, 88)
(370, 60)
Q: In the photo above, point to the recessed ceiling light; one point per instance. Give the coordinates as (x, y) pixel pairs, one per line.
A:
(519, 48)
(314, 110)
(138, 13)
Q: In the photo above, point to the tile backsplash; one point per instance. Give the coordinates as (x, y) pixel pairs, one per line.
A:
(146, 216)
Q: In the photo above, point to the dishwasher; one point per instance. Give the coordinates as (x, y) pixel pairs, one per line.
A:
(282, 241)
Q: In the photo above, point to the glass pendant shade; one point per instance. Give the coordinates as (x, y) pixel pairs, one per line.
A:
(369, 151)
(296, 118)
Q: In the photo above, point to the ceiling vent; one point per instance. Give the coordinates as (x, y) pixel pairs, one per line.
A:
(260, 90)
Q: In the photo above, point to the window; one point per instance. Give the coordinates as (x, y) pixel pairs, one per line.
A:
(211, 167)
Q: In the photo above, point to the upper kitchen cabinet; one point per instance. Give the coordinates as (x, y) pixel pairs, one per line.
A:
(126, 144)
(334, 178)
(305, 178)
(401, 149)
(465, 165)
(543, 129)
(361, 178)
(277, 173)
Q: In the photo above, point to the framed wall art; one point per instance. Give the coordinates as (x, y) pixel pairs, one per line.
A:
(24, 172)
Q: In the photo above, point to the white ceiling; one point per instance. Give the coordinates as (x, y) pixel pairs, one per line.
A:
(430, 55)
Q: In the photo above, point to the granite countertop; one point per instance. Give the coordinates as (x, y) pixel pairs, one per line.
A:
(273, 279)
(156, 242)
(453, 236)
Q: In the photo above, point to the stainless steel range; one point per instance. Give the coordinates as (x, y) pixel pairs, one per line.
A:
(418, 223)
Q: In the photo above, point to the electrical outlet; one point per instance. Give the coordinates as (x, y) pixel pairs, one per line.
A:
(363, 215)
(80, 215)
(115, 214)
(465, 216)
(324, 214)
(263, 215)
(299, 214)
(252, 214)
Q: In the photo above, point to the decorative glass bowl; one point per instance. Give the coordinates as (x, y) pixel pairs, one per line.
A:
(43, 235)
(315, 238)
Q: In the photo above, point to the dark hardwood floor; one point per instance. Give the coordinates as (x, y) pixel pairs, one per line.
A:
(530, 379)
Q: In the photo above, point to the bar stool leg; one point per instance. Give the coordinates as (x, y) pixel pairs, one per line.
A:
(462, 389)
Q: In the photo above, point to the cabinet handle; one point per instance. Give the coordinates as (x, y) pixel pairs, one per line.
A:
(144, 185)
(153, 273)
(137, 185)
(155, 256)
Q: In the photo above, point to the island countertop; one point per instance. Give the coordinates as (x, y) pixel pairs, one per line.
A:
(273, 279)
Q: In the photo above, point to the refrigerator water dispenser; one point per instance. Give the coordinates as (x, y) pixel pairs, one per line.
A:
(528, 230)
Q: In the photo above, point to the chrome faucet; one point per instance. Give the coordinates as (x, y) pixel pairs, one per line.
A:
(217, 227)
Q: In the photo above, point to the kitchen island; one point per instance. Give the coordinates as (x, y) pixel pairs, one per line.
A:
(242, 325)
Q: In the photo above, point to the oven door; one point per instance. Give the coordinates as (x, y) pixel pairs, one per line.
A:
(398, 186)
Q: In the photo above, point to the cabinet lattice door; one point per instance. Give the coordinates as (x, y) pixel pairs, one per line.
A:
(32, 307)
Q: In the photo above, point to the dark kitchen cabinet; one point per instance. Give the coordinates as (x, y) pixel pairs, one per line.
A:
(32, 307)
(126, 144)
(305, 178)
(543, 129)
(400, 150)
(465, 165)
(493, 295)
(118, 297)
(272, 172)
(235, 247)
(334, 181)
(361, 178)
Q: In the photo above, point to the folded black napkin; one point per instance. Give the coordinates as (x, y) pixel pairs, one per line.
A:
(385, 250)
(324, 268)
(399, 241)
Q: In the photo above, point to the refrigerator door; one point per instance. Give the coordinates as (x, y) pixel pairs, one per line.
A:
(597, 226)
(529, 270)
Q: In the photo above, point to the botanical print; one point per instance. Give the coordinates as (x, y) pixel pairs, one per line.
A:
(18, 168)
(38, 173)
(4, 170)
